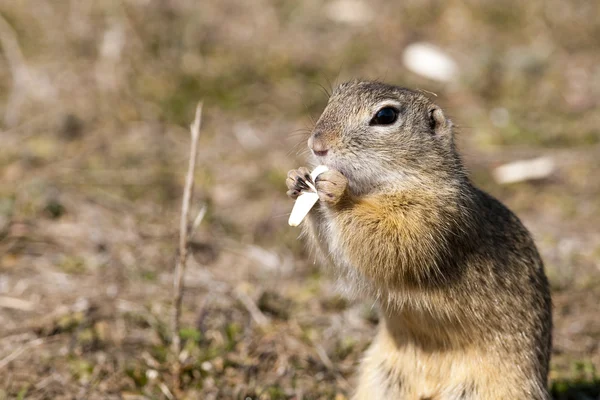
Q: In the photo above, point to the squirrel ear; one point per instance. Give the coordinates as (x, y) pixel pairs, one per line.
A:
(440, 125)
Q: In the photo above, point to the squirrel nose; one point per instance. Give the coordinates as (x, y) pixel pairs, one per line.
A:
(318, 146)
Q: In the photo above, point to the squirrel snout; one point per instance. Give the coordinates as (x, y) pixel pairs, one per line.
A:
(318, 146)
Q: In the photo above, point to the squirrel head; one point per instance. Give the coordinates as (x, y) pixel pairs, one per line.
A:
(384, 137)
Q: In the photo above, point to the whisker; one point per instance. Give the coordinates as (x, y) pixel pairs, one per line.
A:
(299, 132)
(303, 152)
(337, 77)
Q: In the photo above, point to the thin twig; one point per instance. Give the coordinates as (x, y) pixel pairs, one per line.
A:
(184, 238)
(19, 70)
(198, 220)
(166, 391)
(323, 356)
(15, 354)
(252, 308)
(16, 304)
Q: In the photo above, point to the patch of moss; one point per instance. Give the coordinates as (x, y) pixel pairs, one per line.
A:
(72, 264)
(81, 369)
(344, 348)
(69, 322)
(23, 392)
(137, 375)
(191, 334)
(232, 332)
(582, 382)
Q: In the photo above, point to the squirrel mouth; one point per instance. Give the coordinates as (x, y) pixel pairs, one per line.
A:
(329, 159)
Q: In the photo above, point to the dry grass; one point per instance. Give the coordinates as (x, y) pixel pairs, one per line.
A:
(187, 228)
(95, 98)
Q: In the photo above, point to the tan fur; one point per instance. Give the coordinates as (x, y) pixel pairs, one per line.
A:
(463, 296)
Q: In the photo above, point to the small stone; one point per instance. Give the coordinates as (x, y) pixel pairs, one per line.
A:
(524, 170)
(206, 366)
(151, 374)
(430, 61)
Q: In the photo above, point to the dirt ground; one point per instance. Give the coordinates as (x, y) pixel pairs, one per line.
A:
(95, 101)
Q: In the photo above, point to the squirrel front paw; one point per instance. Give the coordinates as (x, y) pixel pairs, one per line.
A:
(297, 181)
(331, 186)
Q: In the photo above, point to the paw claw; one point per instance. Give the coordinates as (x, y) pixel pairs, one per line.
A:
(298, 180)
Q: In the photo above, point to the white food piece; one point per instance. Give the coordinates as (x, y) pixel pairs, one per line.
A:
(318, 171)
(302, 206)
(306, 200)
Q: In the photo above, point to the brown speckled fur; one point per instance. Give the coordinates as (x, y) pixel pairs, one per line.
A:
(464, 299)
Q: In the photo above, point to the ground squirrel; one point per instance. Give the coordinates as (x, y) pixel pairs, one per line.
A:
(465, 303)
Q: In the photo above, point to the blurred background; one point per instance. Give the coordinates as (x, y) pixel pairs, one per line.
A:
(95, 102)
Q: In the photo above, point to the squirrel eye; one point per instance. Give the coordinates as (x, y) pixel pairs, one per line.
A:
(385, 116)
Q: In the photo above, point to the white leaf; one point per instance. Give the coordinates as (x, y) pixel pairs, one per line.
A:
(306, 200)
